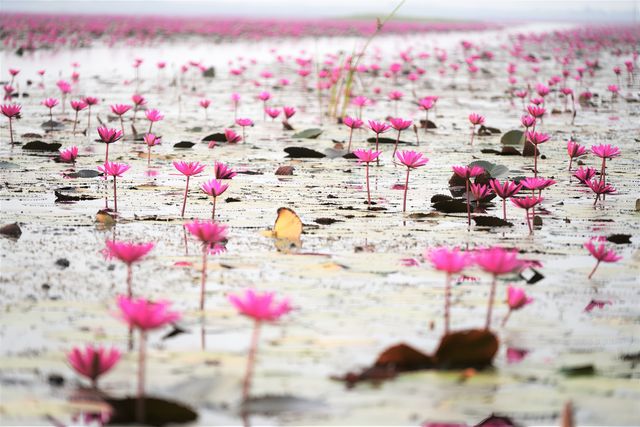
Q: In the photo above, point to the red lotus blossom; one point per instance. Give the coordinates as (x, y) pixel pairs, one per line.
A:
(600, 188)
(516, 299)
(584, 175)
(366, 157)
(69, 155)
(222, 171)
(412, 160)
(214, 188)
(526, 203)
(93, 362)
(11, 111)
(601, 254)
(231, 136)
(575, 150)
(504, 191)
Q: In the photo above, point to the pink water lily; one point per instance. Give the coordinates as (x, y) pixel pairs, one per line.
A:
(366, 157)
(11, 111)
(352, 123)
(466, 173)
(496, 261)
(144, 315)
(516, 299)
(505, 190)
(210, 234)
(412, 160)
(261, 308)
(93, 361)
(188, 169)
(115, 170)
(214, 188)
(601, 254)
(451, 261)
(399, 125)
(475, 119)
(129, 253)
(69, 155)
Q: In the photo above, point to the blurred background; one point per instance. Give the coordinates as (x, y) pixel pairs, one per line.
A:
(626, 11)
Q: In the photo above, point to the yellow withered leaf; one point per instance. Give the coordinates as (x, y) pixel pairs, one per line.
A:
(286, 230)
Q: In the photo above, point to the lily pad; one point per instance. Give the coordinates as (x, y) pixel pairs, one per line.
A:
(303, 153)
(386, 141)
(308, 133)
(11, 230)
(184, 144)
(158, 412)
(217, 137)
(41, 146)
(514, 137)
(491, 221)
(84, 173)
(493, 170)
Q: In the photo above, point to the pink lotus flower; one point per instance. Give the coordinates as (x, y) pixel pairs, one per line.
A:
(272, 112)
(50, 103)
(536, 111)
(448, 260)
(366, 157)
(188, 169)
(69, 155)
(90, 100)
(129, 253)
(11, 111)
(466, 173)
(451, 261)
(222, 171)
(537, 183)
(244, 122)
(536, 138)
(601, 254)
(214, 188)
(399, 125)
(575, 150)
(475, 119)
(120, 109)
(208, 232)
(64, 87)
(231, 136)
(527, 203)
(108, 136)
(78, 105)
(151, 140)
(378, 127)
(516, 298)
(528, 121)
(261, 308)
(93, 362)
(605, 151)
(504, 191)
(412, 160)
(288, 112)
(144, 315)
(584, 175)
(600, 188)
(212, 235)
(153, 116)
(352, 123)
(115, 170)
(205, 103)
(138, 101)
(479, 192)
(497, 261)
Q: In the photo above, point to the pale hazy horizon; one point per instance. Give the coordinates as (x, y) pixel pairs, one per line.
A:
(489, 10)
